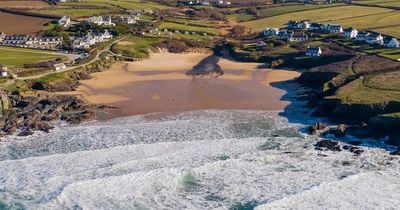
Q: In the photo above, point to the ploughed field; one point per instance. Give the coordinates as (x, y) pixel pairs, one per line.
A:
(20, 24)
(23, 4)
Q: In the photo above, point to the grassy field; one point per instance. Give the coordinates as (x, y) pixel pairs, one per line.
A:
(386, 52)
(130, 4)
(136, 47)
(348, 16)
(17, 56)
(392, 31)
(190, 28)
(279, 10)
(74, 12)
(356, 92)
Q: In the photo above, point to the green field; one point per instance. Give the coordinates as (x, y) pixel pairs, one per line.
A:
(75, 12)
(136, 47)
(279, 10)
(17, 56)
(190, 28)
(356, 16)
(130, 4)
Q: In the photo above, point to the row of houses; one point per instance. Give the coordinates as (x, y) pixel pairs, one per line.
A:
(202, 2)
(295, 32)
(22, 40)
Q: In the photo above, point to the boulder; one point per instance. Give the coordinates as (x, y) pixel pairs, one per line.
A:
(326, 144)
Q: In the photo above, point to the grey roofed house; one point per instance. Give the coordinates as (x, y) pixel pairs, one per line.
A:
(391, 42)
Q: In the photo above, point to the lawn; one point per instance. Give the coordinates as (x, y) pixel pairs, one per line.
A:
(137, 47)
(329, 15)
(18, 56)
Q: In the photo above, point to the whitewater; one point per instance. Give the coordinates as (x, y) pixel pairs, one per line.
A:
(206, 159)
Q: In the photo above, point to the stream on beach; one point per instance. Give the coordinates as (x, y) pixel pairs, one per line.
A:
(194, 157)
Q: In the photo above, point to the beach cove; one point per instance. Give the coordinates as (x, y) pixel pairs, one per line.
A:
(159, 84)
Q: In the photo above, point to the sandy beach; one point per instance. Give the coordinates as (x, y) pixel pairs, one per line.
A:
(159, 84)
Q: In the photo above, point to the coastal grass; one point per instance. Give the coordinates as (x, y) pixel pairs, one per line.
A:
(371, 89)
(348, 15)
(10, 56)
(137, 47)
(391, 53)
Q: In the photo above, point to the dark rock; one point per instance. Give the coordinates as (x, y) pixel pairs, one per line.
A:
(26, 132)
(397, 152)
(325, 145)
(340, 131)
(313, 129)
(43, 126)
(353, 149)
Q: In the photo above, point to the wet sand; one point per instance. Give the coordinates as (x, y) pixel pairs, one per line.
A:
(159, 84)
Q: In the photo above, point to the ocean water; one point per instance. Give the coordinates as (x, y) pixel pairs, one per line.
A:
(211, 159)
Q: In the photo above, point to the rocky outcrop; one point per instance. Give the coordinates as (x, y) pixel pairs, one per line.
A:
(317, 128)
(34, 113)
(5, 103)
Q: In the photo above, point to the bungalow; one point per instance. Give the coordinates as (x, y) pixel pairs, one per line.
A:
(261, 45)
(362, 36)
(271, 31)
(335, 28)
(2, 36)
(299, 36)
(314, 51)
(101, 20)
(374, 38)
(350, 33)
(224, 3)
(391, 42)
(59, 66)
(64, 21)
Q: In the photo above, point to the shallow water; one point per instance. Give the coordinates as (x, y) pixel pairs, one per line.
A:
(191, 160)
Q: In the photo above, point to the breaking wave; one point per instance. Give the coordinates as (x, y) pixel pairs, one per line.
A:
(191, 160)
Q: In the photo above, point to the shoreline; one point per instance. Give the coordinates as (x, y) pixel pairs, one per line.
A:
(160, 84)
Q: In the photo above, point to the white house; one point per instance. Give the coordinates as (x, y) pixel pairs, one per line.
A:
(304, 24)
(314, 51)
(374, 38)
(350, 33)
(132, 19)
(391, 42)
(59, 66)
(101, 20)
(2, 36)
(335, 28)
(64, 21)
(16, 40)
(3, 71)
(271, 31)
